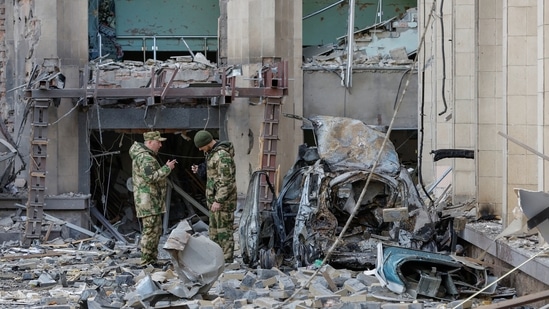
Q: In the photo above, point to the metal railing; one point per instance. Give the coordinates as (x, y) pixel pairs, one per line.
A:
(154, 38)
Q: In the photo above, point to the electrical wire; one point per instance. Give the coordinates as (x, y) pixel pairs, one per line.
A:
(443, 55)
(65, 115)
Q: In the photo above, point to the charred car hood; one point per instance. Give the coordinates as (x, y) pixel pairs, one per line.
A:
(350, 144)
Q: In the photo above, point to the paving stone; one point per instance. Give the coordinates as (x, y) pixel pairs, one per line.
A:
(280, 294)
(267, 273)
(230, 292)
(317, 289)
(354, 285)
(240, 303)
(248, 281)
(366, 279)
(286, 283)
(265, 302)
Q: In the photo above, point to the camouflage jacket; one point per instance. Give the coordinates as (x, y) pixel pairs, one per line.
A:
(149, 181)
(221, 173)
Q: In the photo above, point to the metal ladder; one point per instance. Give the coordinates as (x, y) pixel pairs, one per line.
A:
(276, 78)
(269, 148)
(37, 170)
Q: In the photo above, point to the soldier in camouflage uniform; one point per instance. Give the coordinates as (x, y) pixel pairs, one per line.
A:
(220, 189)
(149, 191)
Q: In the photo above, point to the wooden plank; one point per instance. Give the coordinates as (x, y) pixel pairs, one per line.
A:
(511, 303)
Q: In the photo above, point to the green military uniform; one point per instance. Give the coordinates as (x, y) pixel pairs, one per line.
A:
(149, 191)
(221, 188)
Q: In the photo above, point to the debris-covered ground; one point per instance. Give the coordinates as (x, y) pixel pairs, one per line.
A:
(87, 273)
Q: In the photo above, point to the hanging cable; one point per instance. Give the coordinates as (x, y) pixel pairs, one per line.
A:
(66, 114)
(443, 55)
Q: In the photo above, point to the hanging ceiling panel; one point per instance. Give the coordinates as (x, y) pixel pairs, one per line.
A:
(323, 26)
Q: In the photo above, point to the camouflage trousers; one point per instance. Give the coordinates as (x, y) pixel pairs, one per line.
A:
(150, 237)
(221, 232)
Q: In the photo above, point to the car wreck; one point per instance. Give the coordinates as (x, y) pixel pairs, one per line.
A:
(343, 171)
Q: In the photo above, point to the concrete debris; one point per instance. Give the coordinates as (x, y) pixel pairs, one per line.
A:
(91, 274)
(184, 62)
(386, 44)
(113, 279)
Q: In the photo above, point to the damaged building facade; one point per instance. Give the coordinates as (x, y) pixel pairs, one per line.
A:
(476, 94)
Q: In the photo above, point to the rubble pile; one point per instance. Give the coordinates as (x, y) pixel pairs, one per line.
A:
(91, 274)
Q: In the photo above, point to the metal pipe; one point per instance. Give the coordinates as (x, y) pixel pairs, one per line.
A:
(433, 186)
(154, 48)
(144, 48)
(100, 50)
(350, 44)
(379, 10)
(129, 37)
(187, 45)
(322, 10)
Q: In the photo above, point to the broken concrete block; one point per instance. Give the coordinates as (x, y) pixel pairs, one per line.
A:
(240, 303)
(182, 58)
(399, 54)
(343, 292)
(264, 302)
(45, 280)
(262, 292)
(267, 273)
(267, 282)
(280, 295)
(6, 221)
(124, 279)
(286, 283)
(251, 294)
(231, 291)
(331, 283)
(326, 301)
(248, 281)
(354, 285)
(317, 289)
(367, 279)
(233, 275)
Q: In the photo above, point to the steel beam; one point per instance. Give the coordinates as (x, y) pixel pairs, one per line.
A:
(189, 92)
(159, 117)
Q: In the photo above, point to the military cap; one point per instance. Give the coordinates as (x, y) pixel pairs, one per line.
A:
(153, 136)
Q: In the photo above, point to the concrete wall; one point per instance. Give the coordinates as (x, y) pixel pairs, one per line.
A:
(40, 31)
(495, 82)
(260, 31)
(63, 36)
(372, 99)
(447, 60)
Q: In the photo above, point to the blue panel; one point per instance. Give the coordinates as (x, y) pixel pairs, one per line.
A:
(196, 20)
(327, 26)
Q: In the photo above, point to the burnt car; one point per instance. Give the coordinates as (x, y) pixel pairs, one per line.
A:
(350, 181)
